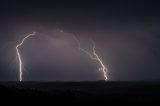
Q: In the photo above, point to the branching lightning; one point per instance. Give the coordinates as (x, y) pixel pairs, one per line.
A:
(19, 56)
(94, 56)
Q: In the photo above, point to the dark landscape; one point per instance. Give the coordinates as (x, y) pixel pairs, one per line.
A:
(98, 92)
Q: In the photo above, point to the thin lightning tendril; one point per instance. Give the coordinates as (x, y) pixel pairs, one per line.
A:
(79, 47)
(94, 56)
(19, 56)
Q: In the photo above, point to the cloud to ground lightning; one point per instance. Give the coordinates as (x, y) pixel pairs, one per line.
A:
(19, 56)
(94, 56)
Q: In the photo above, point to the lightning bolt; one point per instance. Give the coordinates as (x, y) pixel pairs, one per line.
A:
(93, 56)
(19, 56)
(103, 68)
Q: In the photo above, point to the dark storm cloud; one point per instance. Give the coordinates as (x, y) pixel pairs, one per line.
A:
(126, 34)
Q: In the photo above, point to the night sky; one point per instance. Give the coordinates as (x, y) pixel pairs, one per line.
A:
(126, 34)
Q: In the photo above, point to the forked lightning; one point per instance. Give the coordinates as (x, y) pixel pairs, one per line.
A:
(94, 56)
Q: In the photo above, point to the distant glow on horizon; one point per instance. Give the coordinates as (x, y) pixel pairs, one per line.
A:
(94, 56)
(19, 56)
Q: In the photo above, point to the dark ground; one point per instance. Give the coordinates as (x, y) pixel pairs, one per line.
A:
(75, 93)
